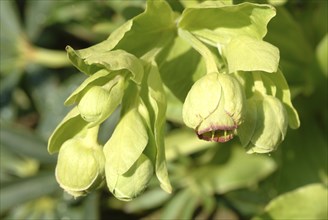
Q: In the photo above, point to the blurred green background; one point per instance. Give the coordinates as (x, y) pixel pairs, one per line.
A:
(211, 181)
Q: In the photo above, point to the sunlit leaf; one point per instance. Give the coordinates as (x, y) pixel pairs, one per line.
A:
(244, 53)
(243, 19)
(307, 202)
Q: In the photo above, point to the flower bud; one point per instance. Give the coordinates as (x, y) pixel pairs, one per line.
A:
(129, 185)
(99, 102)
(214, 107)
(265, 124)
(80, 166)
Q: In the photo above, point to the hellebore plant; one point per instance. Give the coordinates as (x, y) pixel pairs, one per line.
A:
(219, 66)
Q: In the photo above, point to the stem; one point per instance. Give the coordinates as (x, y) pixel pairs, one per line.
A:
(201, 48)
(48, 58)
(91, 136)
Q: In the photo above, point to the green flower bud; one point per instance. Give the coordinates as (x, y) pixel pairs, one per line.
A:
(265, 124)
(214, 107)
(99, 102)
(80, 166)
(132, 183)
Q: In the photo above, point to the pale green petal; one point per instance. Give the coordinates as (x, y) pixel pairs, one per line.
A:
(79, 166)
(129, 185)
(202, 100)
(234, 97)
(271, 126)
(126, 143)
(158, 102)
(97, 79)
(247, 128)
(70, 126)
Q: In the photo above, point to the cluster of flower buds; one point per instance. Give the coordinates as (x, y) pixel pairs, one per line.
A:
(218, 109)
(134, 152)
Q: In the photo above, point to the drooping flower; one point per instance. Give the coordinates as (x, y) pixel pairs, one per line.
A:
(214, 107)
(265, 124)
(80, 166)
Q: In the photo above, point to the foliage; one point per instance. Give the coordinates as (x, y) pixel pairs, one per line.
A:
(209, 180)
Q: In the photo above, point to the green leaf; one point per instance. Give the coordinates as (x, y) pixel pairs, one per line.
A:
(234, 175)
(35, 19)
(15, 165)
(181, 206)
(220, 24)
(181, 65)
(24, 142)
(128, 141)
(69, 127)
(184, 142)
(238, 170)
(302, 157)
(11, 39)
(118, 60)
(307, 202)
(149, 29)
(292, 60)
(249, 54)
(129, 185)
(111, 60)
(26, 189)
(149, 200)
(104, 46)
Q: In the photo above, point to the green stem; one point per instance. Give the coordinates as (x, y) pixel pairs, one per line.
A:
(48, 58)
(209, 58)
(91, 136)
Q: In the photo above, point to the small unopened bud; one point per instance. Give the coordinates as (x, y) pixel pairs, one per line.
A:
(265, 124)
(214, 107)
(80, 166)
(99, 102)
(132, 183)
